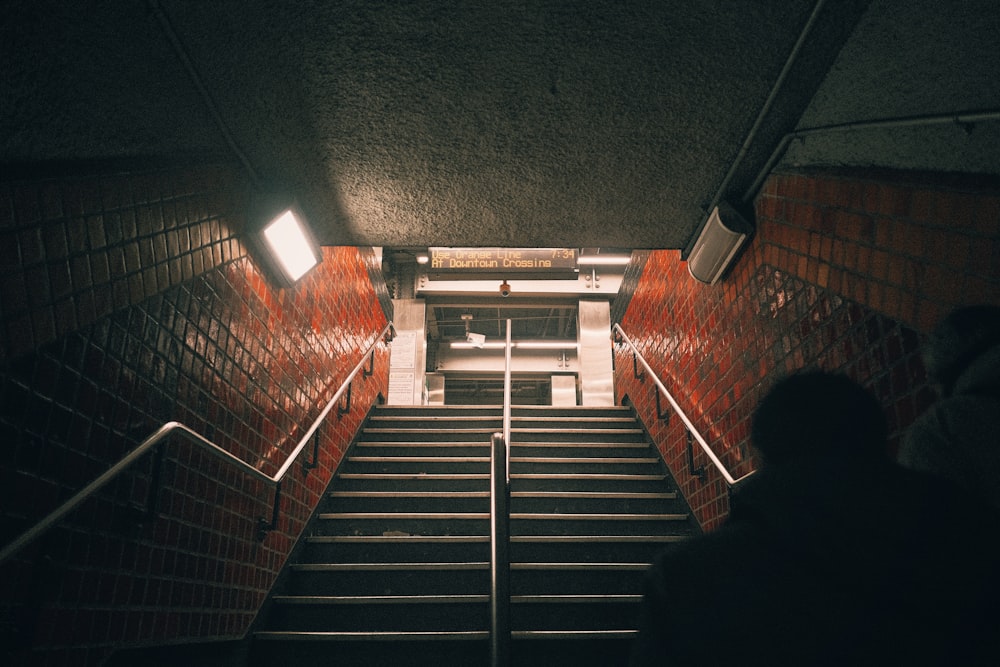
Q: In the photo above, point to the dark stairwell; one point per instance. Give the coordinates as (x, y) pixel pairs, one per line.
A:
(395, 568)
(769, 319)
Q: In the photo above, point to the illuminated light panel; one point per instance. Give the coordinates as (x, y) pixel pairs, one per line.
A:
(604, 260)
(289, 245)
(466, 345)
(522, 345)
(545, 345)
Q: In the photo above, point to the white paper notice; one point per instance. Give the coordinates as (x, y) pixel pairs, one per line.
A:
(401, 387)
(404, 349)
(401, 363)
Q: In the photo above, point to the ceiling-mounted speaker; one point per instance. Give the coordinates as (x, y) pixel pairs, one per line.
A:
(720, 239)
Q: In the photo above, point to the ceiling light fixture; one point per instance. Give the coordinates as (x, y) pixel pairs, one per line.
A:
(718, 243)
(290, 245)
(470, 344)
(546, 344)
(604, 260)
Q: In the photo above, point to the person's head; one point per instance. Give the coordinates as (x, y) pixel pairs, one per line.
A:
(812, 413)
(955, 343)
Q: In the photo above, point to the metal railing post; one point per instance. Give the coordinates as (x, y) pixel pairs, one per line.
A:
(499, 554)
(506, 399)
(500, 528)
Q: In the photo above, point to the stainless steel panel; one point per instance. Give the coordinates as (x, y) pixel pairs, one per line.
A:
(544, 362)
(563, 390)
(594, 334)
(435, 389)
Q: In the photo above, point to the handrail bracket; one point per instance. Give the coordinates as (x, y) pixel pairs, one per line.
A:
(696, 471)
(307, 464)
(664, 415)
(263, 525)
(344, 409)
(638, 374)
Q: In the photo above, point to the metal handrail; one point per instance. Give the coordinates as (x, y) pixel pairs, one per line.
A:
(636, 355)
(499, 554)
(500, 528)
(507, 399)
(168, 428)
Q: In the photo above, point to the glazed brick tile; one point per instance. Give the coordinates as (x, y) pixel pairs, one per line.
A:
(884, 261)
(211, 349)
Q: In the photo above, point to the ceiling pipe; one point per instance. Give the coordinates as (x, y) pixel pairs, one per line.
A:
(970, 118)
(213, 109)
(764, 110)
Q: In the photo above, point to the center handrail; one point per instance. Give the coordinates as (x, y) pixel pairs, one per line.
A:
(499, 555)
(507, 399)
(191, 435)
(500, 528)
(726, 475)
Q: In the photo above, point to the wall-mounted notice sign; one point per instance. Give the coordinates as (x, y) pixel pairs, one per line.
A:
(491, 263)
(401, 369)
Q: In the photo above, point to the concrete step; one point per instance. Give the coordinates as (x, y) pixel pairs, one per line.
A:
(651, 482)
(576, 578)
(556, 502)
(396, 547)
(596, 432)
(366, 649)
(428, 434)
(381, 613)
(482, 448)
(416, 464)
(573, 612)
(395, 566)
(583, 648)
(590, 548)
(403, 523)
(412, 481)
(391, 578)
(518, 465)
(567, 434)
(572, 411)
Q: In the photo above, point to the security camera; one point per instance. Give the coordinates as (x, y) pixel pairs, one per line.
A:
(505, 288)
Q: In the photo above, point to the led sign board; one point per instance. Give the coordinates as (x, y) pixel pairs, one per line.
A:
(489, 263)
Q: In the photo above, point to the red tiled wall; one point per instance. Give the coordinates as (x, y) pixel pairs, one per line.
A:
(128, 301)
(910, 246)
(844, 273)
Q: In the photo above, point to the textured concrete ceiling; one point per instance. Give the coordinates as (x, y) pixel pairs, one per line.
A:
(436, 122)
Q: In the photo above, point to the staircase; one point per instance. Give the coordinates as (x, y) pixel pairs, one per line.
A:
(395, 568)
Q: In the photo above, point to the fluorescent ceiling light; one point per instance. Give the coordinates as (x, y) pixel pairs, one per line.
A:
(546, 345)
(522, 345)
(466, 345)
(290, 245)
(604, 260)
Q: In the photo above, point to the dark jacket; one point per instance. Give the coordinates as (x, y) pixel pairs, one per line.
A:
(958, 438)
(831, 562)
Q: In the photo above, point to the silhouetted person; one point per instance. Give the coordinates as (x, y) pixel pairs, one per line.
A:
(832, 554)
(958, 438)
